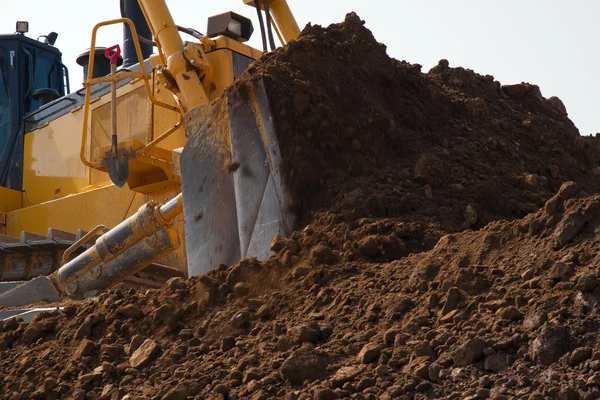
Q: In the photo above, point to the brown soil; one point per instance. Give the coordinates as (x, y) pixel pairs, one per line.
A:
(448, 250)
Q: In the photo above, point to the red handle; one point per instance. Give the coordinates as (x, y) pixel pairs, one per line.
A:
(114, 56)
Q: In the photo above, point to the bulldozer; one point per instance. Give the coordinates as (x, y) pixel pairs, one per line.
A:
(156, 168)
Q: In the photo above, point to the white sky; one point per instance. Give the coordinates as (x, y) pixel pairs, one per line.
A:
(551, 43)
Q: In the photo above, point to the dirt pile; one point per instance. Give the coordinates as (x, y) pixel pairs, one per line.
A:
(378, 297)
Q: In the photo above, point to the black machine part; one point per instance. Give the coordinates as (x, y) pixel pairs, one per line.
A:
(131, 9)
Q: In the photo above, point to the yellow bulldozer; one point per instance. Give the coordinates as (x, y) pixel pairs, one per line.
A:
(156, 168)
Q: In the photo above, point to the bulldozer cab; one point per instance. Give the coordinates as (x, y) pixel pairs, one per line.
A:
(31, 75)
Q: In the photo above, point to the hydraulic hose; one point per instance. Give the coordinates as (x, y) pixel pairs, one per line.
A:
(262, 27)
(269, 27)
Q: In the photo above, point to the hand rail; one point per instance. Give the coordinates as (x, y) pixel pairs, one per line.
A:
(91, 81)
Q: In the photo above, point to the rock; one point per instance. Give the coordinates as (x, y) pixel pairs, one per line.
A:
(534, 321)
(86, 348)
(569, 227)
(49, 384)
(306, 333)
(176, 283)
(568, 393)
(222, 389)
(418, 367)
(264, 312)
(483, 393)
(587, 283)
(239, 319)
(346, 374)
(551, 343)
(515, 91)
(303, 364)
(253, 374)
(241, 289)
(559, 270)
(580, 354)
(495, 363)
(390, 335)
(557, 104)
(322, 254)
(510, 313)
(451, 302)
(369, 247)
(278, 243)
(470, 215)
(144, 354)
(434, 372)
(136, 342)
(568, 190)
(183, 390)
(424, 349)
(87, 378)
(594, 380)
(365, 383)
(369, 353)
(325, 394)
(469, 352)
(32, 334)
(404, 304)
(227, 343)
(130, 311)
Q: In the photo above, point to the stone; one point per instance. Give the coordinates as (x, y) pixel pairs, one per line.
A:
(580, 354)
(176, 283)
(239, 319)
(424, 349)
(534, 321)
(346, 374)
(322, 254)
(144, 354)
(469, 352)
(510, 313)
(559, 270)
(49, 384)
(587, 283)
(369, 353)
(32, 334)
(303, 364)
(241, 289)
(418, 367)
(470, 215)
(306, 333)
(130, 311)
(495, 363)
(227, 343)
(222, 389)
(568, 190)
(365, 383)
(325, 394)
(136, 342)
(552, 342)
(569, 227)
(253, 374)
(86, 348)
(451, 302)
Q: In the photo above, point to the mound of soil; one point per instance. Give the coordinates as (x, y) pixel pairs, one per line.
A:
(447, 250)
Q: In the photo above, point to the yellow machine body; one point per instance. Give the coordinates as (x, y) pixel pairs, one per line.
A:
(167, 121)
(60, 192)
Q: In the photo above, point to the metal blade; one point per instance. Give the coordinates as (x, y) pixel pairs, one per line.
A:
(118, 169)
(36, 290)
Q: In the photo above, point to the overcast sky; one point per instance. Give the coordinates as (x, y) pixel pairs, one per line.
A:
(551, 43)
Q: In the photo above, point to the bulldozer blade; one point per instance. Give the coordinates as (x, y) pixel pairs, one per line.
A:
(34, 291)
(233, 194)
(118, 169)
